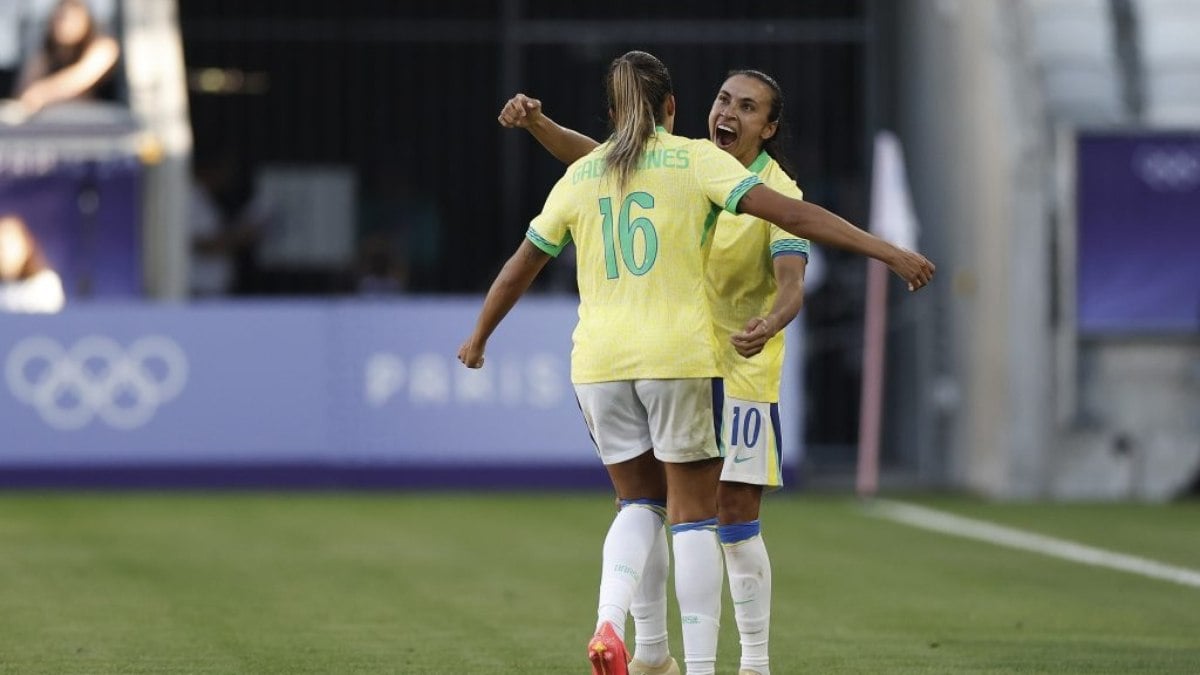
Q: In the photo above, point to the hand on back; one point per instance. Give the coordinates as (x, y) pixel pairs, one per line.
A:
(753, 337)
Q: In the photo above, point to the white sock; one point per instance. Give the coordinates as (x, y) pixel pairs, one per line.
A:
(649, 607)
(699, 572)
(750, 585)
(629, 540)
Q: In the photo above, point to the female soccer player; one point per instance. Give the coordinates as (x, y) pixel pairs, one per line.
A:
(644, 362)
(756, 281)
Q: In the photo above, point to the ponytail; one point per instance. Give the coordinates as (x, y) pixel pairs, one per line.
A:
(638, 87)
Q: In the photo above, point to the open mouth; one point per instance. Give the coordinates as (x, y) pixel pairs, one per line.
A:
(724, 136)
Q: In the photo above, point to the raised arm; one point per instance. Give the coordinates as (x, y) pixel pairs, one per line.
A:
(523, 112)
(807, 220)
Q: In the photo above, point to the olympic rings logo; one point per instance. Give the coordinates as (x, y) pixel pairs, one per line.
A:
(96, 378)
(1168, 168)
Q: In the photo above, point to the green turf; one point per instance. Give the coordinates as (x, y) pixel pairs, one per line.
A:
(377, 583)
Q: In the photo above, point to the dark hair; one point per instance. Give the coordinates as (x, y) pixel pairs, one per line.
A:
(771, 145)
(35, 262)
(638, 85)
(60, 56)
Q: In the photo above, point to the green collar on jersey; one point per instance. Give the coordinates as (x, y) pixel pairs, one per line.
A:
(659, 127)
(760, 162)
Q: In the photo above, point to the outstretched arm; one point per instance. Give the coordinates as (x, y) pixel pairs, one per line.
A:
(807, 220)
(512, 282)
(523, 112)
(789, 279)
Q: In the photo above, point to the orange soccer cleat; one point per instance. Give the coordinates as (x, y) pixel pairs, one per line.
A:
(607, 652)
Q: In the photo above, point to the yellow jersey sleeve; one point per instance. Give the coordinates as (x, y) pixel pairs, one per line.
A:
(786, 243)
(551, 229)
(722, 178)
(783, 242)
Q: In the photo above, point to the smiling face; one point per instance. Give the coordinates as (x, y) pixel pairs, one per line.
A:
(739, 121)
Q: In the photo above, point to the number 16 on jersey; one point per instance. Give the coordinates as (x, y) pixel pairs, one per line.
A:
(626, 235)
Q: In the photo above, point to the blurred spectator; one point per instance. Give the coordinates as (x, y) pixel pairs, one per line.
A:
(400, 233)
(227, 222)
(27, 284)
(75, 61)
(380, 267)
(383, 236)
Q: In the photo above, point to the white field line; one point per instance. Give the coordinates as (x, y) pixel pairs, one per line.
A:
(947, 523)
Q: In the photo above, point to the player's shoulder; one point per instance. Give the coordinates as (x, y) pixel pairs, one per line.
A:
(698, 145)
(774, 177)
(596, 154)
(585, 170)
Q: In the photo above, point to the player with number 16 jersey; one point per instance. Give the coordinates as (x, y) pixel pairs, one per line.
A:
(642, 252)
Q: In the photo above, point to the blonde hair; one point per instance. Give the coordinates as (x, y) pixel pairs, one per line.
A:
(638, 86)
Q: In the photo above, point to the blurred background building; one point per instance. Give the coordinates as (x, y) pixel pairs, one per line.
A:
(341, 163)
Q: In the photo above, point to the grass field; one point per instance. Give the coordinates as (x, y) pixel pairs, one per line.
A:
(403, 583)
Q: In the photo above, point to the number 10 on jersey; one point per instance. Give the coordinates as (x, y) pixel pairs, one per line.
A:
(626, 233)
(751, 425)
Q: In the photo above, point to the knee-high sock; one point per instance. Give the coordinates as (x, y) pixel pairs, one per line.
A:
(699, 571)
(750, 585)
(649, 607)
(629, 540)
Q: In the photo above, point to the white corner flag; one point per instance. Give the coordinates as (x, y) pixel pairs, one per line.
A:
(892, 219)
(892, 216)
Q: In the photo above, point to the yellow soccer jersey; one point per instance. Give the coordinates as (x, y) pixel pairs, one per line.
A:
(741, 284)
(641, 253)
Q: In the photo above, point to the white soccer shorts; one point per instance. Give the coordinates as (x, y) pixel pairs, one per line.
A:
(751, 438)
(674, 417)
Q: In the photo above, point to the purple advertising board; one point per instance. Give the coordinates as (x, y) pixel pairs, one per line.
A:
(1138, 205)
(103, 384)
(405, 397)
(341, 394)
(86, 215)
